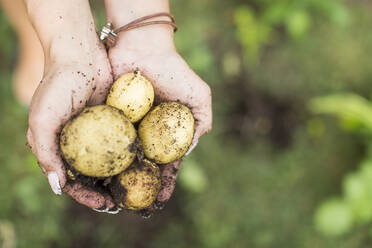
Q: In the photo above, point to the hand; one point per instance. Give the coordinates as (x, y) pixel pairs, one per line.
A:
(69, 84)
(77, 73)
(173, 80)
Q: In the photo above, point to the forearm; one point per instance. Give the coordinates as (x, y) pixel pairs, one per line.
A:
(157, 36)
(63, 27)
(16, 12)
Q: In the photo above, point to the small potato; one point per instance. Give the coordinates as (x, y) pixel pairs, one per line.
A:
(99, 142)
(166, 132)
(133, 94)
(138, 186)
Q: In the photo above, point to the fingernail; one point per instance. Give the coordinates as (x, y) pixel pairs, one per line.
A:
(114, 210)
(101, 210)
(146, 214)
(159, 205)
(191, 148)
(54, 183)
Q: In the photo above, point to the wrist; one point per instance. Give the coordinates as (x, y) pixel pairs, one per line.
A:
(156, 37)
(121, 12)
(72, 48)
(64, 27)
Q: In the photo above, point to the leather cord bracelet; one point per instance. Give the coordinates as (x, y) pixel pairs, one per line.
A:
(108, 33)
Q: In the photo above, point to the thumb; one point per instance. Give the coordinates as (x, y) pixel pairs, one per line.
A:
(202, 112)
(200, 129)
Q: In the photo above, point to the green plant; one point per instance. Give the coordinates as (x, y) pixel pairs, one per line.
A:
(336, 217)
(258, 23)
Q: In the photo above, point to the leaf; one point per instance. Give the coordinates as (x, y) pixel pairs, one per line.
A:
(298, 23)
(349, 107)
(333, 218)
(192, 177)
(251, 32)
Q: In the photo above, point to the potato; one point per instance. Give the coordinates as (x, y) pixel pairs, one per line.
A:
(138, 186)
(99, 142)
(166, 132)
(133, 94)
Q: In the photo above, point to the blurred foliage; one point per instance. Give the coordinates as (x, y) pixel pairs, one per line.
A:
(355, 206)
(192, 177)
(334, 217)
(267, 174)
(27, 206)
(354, 110)
(258, 24)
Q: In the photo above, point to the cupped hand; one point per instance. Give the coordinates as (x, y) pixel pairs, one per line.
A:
(173, 80)
(69, 84)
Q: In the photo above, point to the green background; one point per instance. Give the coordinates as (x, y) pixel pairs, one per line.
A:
(277, 170)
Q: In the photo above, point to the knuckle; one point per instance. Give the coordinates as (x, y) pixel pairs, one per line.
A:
(29, 137)
(36, 120)
(42, 159)
(208, 127)
(206, 89)
(205, 123)
(43, 122)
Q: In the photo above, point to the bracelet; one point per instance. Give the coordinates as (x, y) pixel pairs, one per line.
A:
(108, 33)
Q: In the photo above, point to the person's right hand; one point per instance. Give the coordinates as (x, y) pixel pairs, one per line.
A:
(72, 80)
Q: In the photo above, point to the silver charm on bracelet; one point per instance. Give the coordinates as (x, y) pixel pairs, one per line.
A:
(107, 35)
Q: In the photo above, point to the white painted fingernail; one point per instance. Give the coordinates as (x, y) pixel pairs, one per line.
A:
(54, 183)
(101, 210)
(191, 148)
(114, 212)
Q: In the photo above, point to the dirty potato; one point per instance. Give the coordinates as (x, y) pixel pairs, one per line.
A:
(99, 142)
(133, 94)
(166, 132)
(137, 187)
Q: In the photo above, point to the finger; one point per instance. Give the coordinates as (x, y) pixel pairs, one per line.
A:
(202, 111)
(168, 180)
(100, 93)
(29, 138)
(45, 147)
(30, 143)
(88, 197)
(102, 83)
(103, 209)
(192, 146)
(109, 202)
(114, 211)
(199, 130)
(52, 176)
